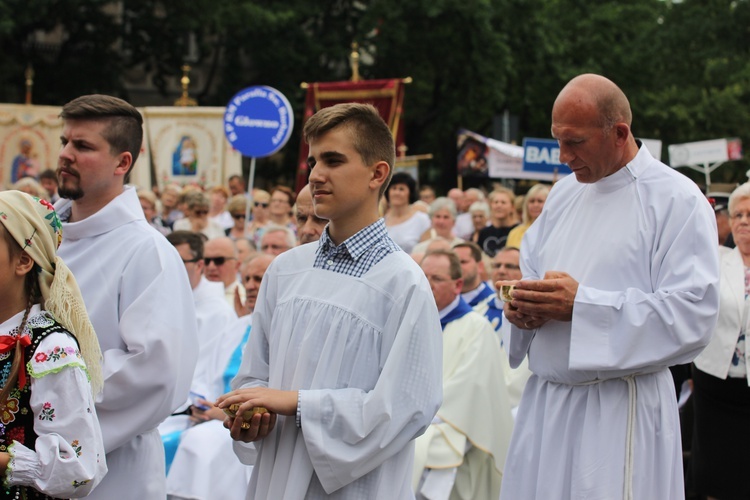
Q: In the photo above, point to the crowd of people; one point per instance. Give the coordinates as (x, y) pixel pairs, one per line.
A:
(350, 341)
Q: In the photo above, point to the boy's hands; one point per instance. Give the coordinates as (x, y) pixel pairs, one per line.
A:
(260, 425)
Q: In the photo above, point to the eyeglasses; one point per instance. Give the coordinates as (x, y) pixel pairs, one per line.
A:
(191, 261)
(200, 212)
(740, 215)
(238, 216)
(259, 204)
(219, 261)
(512, 267)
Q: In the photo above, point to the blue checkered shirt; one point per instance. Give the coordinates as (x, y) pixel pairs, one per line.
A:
(357, 254)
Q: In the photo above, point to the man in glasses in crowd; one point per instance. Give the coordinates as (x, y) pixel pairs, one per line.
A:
(222, 265)
(212, 315)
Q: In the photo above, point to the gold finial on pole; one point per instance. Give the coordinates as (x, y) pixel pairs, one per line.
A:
(29, 75)
(184, 99)
(354, 62)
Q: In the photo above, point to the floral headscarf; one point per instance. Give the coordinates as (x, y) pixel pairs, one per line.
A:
(34, 224)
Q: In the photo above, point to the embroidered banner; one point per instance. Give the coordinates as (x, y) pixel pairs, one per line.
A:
(188, 146)
(386, 95)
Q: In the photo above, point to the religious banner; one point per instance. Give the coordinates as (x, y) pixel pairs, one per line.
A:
(480, 156)
(29, 141)
(386, 95)
(188, 146)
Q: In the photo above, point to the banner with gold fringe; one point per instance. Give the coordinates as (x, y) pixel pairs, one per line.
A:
(386, 95)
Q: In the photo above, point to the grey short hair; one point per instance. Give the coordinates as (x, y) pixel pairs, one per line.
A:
(291, 239)
(480, 205)
(478, 192)
(740, 193)
(440, 204)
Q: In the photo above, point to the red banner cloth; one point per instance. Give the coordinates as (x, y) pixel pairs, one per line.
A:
(386, 95)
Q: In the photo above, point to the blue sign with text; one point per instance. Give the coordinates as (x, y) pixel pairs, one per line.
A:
(543, 155)
(258, 121)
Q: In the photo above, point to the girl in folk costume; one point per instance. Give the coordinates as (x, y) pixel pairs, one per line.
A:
(50, 440)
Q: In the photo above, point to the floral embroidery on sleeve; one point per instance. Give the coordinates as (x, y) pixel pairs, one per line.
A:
(76, 447)
(78, 484)
(48, 413)
(55, 358)
(58, 353)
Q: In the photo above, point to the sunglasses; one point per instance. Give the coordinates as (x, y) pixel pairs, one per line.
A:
(200, 212)
(219, 261)
(238, 216)
(259, 204)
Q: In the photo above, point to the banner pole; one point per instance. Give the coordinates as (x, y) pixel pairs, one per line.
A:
(249, 194)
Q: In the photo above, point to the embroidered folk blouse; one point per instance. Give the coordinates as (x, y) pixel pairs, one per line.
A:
(54, 439)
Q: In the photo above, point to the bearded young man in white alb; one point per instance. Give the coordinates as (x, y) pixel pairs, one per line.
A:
(135, 289)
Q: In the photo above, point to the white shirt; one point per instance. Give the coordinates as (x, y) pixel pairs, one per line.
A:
(213, 316)
(364, 354)
(407, 234)
(138, 297)
(464, 226)
(640, 244)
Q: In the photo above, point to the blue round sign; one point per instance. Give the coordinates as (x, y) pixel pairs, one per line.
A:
(258, 121)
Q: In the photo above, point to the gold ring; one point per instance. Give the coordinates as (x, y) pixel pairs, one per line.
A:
(245, 425)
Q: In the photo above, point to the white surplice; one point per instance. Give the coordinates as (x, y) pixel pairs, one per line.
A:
(213, 315)
(205, 466)
(138, 297)
(365, 355)
(475, 413)
(68, 457)
(642, 244)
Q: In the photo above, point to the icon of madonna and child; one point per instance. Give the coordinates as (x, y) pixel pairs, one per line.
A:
(185, 157)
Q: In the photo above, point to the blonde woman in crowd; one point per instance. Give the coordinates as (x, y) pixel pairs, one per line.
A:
(533, 203)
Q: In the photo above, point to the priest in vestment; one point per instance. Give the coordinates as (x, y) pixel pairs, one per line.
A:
(620, 282)
(475, 292)
(462, 453)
